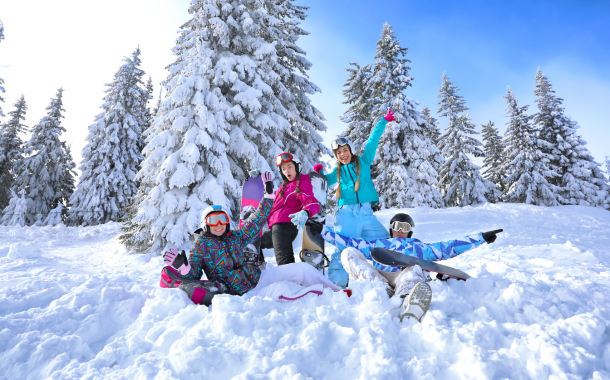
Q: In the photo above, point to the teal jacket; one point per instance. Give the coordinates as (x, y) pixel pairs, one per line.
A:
(366, 192)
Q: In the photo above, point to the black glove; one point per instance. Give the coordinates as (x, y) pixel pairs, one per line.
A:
(490, 236)
(268, 182)
(314, 227)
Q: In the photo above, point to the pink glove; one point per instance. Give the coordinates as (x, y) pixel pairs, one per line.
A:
(390, 116)
(268, 183)
(318, 168)
(178, 261)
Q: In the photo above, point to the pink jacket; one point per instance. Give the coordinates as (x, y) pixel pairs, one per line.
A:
(291, 202)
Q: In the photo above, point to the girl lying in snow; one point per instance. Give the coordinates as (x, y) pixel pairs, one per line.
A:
(218, 252)
(402, 282)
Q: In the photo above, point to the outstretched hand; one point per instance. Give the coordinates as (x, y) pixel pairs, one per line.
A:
(267, 179)
(318, 168)
(390, 116)
(177, 260)
(490, 236)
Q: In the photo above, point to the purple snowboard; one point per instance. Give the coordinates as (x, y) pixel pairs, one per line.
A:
(251, 195)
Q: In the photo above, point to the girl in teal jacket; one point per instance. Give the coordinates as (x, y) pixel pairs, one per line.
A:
(356, 194)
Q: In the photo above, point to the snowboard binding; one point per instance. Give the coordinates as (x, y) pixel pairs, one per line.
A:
(317, 259)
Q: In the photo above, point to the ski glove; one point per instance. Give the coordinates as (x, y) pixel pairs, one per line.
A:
(178, 261)
(490, 236)
(318, 168)
(268, 182)
(314, 226)
(390, 116)
(299, 219)
(254, 172)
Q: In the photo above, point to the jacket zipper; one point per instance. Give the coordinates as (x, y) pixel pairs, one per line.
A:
(350, 175)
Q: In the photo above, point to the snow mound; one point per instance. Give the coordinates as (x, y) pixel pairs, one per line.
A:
(24, 251)
(538, 306)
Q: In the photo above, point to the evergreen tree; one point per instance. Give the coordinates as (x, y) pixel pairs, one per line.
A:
(493, 145)
(526, 167)
(45, 172)
(460, 181)
(237, 96)
(55, 216)
(111, 158)
(405, 165)
(15, 213)
(358, 115)
(607, 163)
(574, 169)
(1, 80)
(11, 149)
(434, 132)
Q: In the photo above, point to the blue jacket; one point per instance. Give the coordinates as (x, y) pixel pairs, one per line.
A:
(432, 252)
(366, 192)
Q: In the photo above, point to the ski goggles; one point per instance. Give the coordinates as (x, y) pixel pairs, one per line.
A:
(338, 142)
(401, 226)
(284, 157)
(217, 218)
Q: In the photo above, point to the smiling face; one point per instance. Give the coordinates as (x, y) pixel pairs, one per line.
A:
(218, 230)
(344, 155)
(289, 170)
(400, 234)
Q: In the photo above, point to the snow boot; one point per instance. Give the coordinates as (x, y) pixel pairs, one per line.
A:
(200, 292)
(417, 302)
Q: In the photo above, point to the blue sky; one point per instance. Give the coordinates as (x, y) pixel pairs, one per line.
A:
(482, 46)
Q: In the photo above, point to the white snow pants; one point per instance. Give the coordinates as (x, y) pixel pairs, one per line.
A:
(291, 281)
(360, 269)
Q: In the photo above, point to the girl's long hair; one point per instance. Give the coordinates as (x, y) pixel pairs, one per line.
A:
(298, 190)
(356, 162)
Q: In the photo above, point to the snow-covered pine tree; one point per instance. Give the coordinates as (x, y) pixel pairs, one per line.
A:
(460, 180)
(358, 115)
(493, 146)
(406, 158)
(11, 149)
(607, 164)
(45, 172)
(578, 176)
(112, 156)
(525, 166)
(15, 213)
(433, 132)
(237, 96)
(1, 80)
(55, 216)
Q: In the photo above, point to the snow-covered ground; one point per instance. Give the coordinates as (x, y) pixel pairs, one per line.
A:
(75, 304)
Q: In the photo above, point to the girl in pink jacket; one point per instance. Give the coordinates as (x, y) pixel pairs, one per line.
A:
(294, 204)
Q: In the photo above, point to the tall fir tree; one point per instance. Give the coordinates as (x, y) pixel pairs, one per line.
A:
(1, 80)
(112, 156)
(237, 96)
(433, 132)
(460, 180)
(11, 149)
(358, 115)
(575, 172)
(404, 170)
(15, 214)
(493, 146)
(526, 167)
(46, 171)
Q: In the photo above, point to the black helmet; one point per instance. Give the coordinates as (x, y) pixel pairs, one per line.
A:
(401, 217)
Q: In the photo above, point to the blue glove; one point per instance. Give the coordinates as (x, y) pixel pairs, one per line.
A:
(299, 219)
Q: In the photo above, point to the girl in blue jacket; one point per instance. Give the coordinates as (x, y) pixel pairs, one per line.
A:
(356, 194)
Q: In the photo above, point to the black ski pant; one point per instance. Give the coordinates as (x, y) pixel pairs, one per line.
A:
(280, 238)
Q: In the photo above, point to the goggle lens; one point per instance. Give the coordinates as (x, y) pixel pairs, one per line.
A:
(401, 226)
(218, 218)
(284, 157)
(338, 142)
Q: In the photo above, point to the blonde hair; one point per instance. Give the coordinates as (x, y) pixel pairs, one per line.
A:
(339, 166)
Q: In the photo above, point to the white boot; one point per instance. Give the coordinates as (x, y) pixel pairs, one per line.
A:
(417, 303)
(407, 279)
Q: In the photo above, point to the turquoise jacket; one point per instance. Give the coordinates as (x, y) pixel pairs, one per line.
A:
(366, 192)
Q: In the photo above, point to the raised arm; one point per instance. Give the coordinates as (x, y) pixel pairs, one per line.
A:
(255, 223)
(371, 144)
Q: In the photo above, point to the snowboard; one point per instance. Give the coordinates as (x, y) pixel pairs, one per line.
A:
(388, 257)
(252, 192)
(312, 251)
